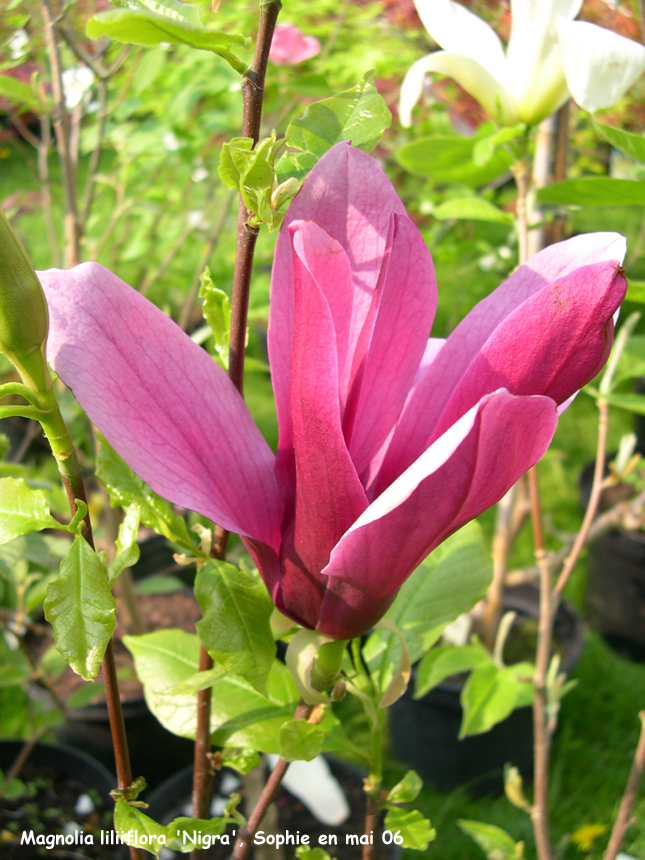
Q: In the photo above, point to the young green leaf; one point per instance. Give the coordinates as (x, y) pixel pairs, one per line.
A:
(193, 827)
(128, 818)
(300, 741)
(14, 669)
(494, 842)
(491, 694)
(235, 628)
(631, 144)
(304, 852)
(127, 549)
(216, 308)
(471, 208)
(410, 827)
(80, 608)
(241, 760)
(23, 510)
(594, 191)
(440, 663)
(126, 490)
(16, 91)
(407, 789)
(447, 160)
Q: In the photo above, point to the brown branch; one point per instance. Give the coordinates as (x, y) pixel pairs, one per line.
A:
(95, 158)
(252, 93)
(500, 552)
(623, 819)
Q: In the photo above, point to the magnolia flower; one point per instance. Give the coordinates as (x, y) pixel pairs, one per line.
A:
(76, 82)
(290, 47)
(549, 57)
(389, 441)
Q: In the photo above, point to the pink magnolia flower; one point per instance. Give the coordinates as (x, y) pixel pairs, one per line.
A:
(290, 46)
(389, 441)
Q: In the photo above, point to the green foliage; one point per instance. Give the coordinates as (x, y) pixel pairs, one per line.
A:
(494, 842)
(127, 549)
(16, 91)
(358, 114)
(22, 510)
(14, 669)
(129, 491)
(151, 22)
(410, 828)
(300, 741)
(440, 663)
(631, 144)
(80, 608)
(407, 789)
(475, 208)
(235, 628)
(242, 760)
(216, 308)
(492, 693)
(487, 144)
(128, 818)
(204, 827)
(304, 852)
(447, 160)
(594, 191)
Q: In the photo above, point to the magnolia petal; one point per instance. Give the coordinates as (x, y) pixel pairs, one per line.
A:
(535, 74)
(464, 472)
(488, 90)
(552, 344)
(411, 89)
(329, 495)
(290, 46)
(600, 66)
(433, 391)
(161, 401)
(349, 196)
(455, 28)
(404, 305)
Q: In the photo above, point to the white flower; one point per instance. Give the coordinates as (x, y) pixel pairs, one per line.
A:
(76, 82)
(170, 142)
(18, 44)
(549, 57)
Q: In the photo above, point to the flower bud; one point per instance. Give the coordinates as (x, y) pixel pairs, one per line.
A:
(24, 320)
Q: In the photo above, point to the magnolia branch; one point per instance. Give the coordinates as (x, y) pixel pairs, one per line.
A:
(623, 819)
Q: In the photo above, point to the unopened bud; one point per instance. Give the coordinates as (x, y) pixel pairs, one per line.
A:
(24, 320)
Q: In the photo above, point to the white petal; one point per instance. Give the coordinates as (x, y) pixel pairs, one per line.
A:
(458, 30)
(600, 66)
(313, 783)
(475, 79)
(411, 90)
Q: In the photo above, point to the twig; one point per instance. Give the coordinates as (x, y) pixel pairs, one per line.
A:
(95, 158)
(252, 92)
(500, 553)
(594, 499)
(541, 173)
(25, 751)
(245, 837)
(623, 820)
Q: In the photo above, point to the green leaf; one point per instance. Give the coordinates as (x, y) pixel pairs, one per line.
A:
(486, 146)
(635, 291)
(632, 360)
(449, 582)
(494, 842)
(194, 827)
(22, 510)
(440, 663)
(251, 171)
(474, 208)
(631, 144)
(304, 852)
(126, 490)
(159, 584)
(127, 549)
(216, 308)
(594, 191)
(140, 25)
(16, 91)
(300, 741)
(14, 669)
(491, 694)
(128, 818)
(84, 696)
(359, 115)
(631, 402)
(241, 760)
(235, 628)
(411, 826)
(13, 790)
(80, 607)
(407, 789)
(449, 160)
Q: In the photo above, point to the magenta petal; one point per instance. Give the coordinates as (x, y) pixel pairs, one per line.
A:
(553, 344)
(464, 472)
(329, 495)
(420, 418)
(405, 302)
(349, 196)
(161, 401)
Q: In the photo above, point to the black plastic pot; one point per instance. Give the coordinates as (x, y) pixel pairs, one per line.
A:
(85, 775)
(172, 799)
(425, 732)
(615, 593)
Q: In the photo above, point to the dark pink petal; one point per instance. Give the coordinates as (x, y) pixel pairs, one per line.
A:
(329, 495)
(553, 344)
(290, 46)
(349, 196)
(464, 472)
(433, 392)
(161, 401)
(396, 334)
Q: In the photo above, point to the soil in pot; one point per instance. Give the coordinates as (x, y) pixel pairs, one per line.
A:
(66, 793)
(88, 728)
(615, 592)
(172, 799)
(427, 729)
